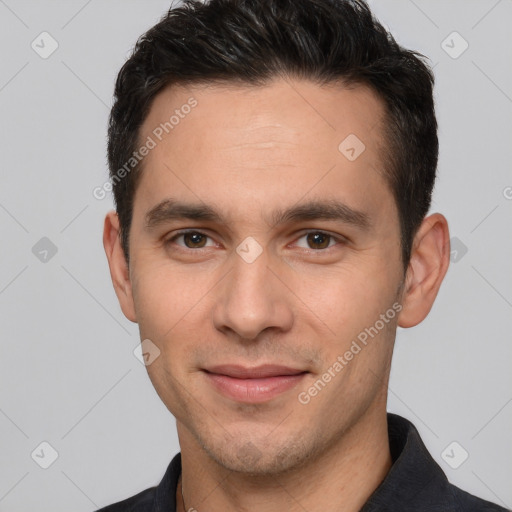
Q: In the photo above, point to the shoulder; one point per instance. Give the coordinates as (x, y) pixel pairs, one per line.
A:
(141, 502)
(416, 481)
(158, 498)
(466, 502)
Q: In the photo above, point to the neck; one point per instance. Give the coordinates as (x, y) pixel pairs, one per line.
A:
(342, 478)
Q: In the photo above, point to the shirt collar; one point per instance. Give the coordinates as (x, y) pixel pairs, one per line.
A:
(415, 481)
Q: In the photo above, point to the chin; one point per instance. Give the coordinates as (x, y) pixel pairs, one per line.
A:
(260, 458)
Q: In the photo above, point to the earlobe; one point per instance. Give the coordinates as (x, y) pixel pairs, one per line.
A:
(429, 262)
(119, 271)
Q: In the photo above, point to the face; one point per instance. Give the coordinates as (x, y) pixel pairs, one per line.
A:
(265, 267)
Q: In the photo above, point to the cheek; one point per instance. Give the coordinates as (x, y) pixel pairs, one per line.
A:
(163, 293)
(345, 301)
(161, 301)
(155, 306)
(352, 310)
(174, 308)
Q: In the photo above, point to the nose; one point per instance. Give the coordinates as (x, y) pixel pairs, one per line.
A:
(252, 299)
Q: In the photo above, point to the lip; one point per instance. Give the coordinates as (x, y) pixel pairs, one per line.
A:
(256, 372)
(253, 385)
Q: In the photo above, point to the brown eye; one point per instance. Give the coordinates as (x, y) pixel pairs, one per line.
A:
(318, 240)
(190, 240)
(194, 240)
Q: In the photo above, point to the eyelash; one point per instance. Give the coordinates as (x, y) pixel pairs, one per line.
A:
(339, 239)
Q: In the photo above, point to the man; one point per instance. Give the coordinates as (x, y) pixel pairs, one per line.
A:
(273, 163)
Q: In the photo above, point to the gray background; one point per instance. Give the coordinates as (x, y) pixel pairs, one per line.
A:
(68, 373)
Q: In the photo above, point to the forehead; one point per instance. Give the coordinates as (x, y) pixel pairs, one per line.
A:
(288, 107)
(276, 142)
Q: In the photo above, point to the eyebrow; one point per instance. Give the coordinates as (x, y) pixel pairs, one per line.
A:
(171, 209)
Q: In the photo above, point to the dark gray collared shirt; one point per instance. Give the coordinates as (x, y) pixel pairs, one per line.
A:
(415, 482)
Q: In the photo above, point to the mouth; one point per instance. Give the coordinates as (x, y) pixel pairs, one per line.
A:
(253, 385)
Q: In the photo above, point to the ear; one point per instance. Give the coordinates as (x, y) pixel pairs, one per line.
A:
(430, 257)
(119, 271)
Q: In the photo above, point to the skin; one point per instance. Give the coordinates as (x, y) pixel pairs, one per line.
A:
(247, 151)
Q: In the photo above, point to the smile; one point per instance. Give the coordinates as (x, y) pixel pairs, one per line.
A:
(253, 385)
